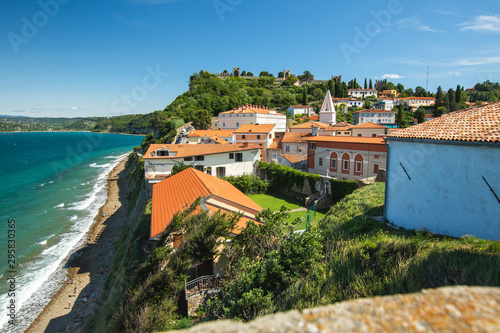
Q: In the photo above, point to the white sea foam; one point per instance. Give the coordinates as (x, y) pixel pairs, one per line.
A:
(95, 165)
(35, 293)
(60, 205)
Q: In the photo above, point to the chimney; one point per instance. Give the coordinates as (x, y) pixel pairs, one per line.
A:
(245, 144)
(314, 131)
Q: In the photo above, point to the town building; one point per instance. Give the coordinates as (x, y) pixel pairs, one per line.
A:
(362, 93)
(384, 104)
(392, 93)
(328, 114)
(313, 128)
(306, 110)
(375, 116)
(261, 135)
(215, 159)
(368, 130)
(443, 174)
(199, 136)
(298, 162)
(350, 102)
(416, 102)
(350, 158)
(342, 129)
(251, 115)
(177, 193)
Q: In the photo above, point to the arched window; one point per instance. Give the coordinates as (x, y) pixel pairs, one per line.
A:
(333, 162)
(346, 163)
(358, 165)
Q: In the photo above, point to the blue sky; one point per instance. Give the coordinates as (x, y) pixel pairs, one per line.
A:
(69, 58)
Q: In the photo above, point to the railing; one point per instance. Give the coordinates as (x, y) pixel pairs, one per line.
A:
(202, 284)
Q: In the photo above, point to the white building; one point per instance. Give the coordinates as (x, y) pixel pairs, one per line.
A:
(374, 116)
(294, 110)
(215, 159)
(416, 102)
(251, 115)
(384, 104)
(443, 175)
(362, 93)
(356, 103)
(368, 130)
(199, 136)
(328, 114)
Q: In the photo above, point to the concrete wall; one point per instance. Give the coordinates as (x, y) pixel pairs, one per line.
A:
(368, 132)
(446, 193)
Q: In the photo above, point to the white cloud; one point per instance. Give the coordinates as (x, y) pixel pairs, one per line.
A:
(483, 23)
(454, 73)
(414, 23)
(391, 76)
(74, 108)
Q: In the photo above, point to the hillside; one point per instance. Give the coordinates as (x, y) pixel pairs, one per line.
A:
(348, 256)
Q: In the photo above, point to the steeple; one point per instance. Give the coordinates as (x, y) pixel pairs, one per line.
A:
(328, 115)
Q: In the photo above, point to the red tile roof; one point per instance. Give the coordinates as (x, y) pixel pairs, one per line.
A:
(179, 191)
(314, 117)
(251, 109)
(264, 128)
(294, 136)
(347, 139)
(310, 124)
(368, 124)
(294, 158)
(301, 106)
(476, 124)
(185, 150)
(374, 111)
(425, 98)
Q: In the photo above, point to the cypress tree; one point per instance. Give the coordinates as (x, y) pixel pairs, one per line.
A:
(366, 85)
(371, 85)
(304, 96)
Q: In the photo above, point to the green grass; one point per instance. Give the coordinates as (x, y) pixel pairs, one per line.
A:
(319, 215)
(274, 201)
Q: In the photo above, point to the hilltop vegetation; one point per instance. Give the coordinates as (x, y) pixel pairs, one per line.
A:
(10, 124)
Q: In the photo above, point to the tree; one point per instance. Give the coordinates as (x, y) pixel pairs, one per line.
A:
(179, 167)
(264, 73)
(451, 100)
(458, 95)
(366, 84)
(318, 94)
(371, 84)
(249, 74)
(367, 104)
(440, 111)
(420, 92)
(281, 74)
(244, 73)
(304, 96)
(399, 115)
(290, 80)
(331, 86)
(439, 99)
(420, 115)
(400, 88)
(202, 120)
(306, 77)
(225, 72)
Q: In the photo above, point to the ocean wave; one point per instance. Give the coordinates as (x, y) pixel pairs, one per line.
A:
(60, 205)
(74, 217)
(44, 242)
(95, 165)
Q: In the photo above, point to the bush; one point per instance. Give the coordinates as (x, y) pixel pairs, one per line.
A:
(248, 184)
(283, 177)
(342, 188)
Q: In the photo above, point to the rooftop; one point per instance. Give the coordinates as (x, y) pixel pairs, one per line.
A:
(426, 98)
(310, 124)
(294, 136)
(476, 124)
(251, 109)
(374, 111)
(185, 150)
(301, 106)
(179, 191)
(368, 124)
(294, 158)
(347, 139)
(264, 128)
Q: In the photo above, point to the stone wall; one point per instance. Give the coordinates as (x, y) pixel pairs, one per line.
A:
(447, 309)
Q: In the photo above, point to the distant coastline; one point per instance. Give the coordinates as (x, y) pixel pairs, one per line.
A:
(70, 131)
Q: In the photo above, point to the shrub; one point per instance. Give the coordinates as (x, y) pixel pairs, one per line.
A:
(342, 188)
(248, 184)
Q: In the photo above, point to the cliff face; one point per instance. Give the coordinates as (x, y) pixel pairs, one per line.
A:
(447, 309)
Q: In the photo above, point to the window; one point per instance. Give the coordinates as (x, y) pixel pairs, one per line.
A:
(199, 167)
(162, 153)
(231, 156)
(360, 135)
(209, 170)
(187, 159)
(199, 158)
(313, 145)
(320, 161)
(258, 137)
(221, 172)
(374, 135)
(358, 165)
(375, 168)
(345, 163)
(287, 148)
(223, 124)
(238, 157)
(237, 124)
(333, 162)
(243, 136)
(274, 156)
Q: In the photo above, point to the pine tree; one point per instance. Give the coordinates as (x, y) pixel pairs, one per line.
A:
(439, 98)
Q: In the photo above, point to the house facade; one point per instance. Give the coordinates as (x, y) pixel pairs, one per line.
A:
(443, 174)
(368, 130)
(362, 93)
(261, 135)
(199, 136)
(313, 128)
(294, 110)
(376, 116)
(350, 158)
(416, 102)
(251, 115)
(350, 102)
(219, 160)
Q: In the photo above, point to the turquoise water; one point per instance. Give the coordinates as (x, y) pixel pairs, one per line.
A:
(52, 185)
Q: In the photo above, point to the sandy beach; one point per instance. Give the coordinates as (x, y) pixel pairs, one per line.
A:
(73, 304)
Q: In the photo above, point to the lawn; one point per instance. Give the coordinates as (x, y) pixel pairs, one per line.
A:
(274, 202)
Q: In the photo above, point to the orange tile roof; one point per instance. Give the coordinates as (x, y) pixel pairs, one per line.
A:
(314, 117)
(264, 128)
(368, 124)
(310, 124)
(185, 150)
(347, 139)
(219, 140)
(300, 106)
(342, 125)
(275, 144)
(476, 124)
(426, 98)
(251, 109)
(209, 133)
(294, 158)
(179, 191)
(294, 136)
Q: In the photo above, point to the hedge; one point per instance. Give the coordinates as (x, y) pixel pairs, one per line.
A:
(283, 177)
(342, 188)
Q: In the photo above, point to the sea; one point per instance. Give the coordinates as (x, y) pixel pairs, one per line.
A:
(52, 185)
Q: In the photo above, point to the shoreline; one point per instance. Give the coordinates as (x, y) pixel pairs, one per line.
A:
(69, 131)
(88, 267)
